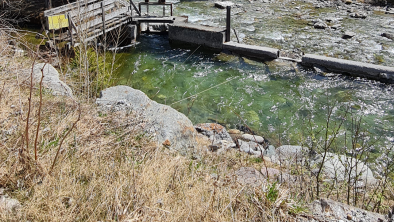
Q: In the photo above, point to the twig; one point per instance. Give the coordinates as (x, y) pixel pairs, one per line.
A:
(232, 200)
(64, 137)
(39, 114)
(28, 112)
(1, 93)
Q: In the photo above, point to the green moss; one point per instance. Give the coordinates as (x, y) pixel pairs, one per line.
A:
(379, 59)
(226, 57)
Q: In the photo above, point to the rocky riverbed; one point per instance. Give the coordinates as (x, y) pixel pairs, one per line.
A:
(342, 29)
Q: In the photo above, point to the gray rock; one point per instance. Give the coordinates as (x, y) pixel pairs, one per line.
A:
(249, 176)
(336, 26)
(222, 146)
(289, 155)
(337, 166)
(51, 79)
(250, 147)
(215, 132)
(358, 15)
(348, 35)
(277, 175)
(270, 152)
(320, 25)
(254, 138)
(223, 5)
(168, 126)
(8, 204)
(326, 210)
(388, 35)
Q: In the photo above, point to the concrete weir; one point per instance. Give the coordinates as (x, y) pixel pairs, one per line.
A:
(257, 52)
(211, 37)
(359, 69)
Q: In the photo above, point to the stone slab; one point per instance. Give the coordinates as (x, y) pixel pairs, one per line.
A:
(258, 52)
(207, 36)
(358, 69)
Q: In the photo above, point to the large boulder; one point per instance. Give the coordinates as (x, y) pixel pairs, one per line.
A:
(327, 210)
(289, 155)
(251, 147)
(51, 79)
(167, 126)
(338, 167)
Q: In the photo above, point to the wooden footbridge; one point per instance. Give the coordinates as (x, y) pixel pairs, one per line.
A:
(85, 20)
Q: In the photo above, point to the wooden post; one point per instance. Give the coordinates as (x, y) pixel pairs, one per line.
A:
(164, 11)
(171, 9)
(228, 25)
(48, 4)
(103, 14)
(70, 29)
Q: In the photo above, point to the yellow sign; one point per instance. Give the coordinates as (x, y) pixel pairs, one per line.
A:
(57, 22)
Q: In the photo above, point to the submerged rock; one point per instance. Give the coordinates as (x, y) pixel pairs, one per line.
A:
(165, 124)
(388, 35)
(358, 15)
(320, 25)
(348, 35)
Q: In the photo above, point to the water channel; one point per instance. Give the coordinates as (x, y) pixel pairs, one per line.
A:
(277, 99)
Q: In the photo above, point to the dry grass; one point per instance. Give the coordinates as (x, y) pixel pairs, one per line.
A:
(107, 169)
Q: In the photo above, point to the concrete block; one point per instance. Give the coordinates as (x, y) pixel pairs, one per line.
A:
(211, 37)
(258, 52)
(358, 69)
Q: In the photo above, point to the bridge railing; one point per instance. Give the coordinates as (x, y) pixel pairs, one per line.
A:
(88, 19)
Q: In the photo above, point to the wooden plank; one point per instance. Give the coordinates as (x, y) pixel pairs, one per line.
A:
(97, 21)
(155, 21)
(92, 30)
(110, 29)
(83, 26)
(109, 23)
(65, 8)
(95, 8)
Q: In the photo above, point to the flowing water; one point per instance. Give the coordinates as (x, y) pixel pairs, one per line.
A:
(277, 99)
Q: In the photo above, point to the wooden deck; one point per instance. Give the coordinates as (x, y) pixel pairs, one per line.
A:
(88, 19)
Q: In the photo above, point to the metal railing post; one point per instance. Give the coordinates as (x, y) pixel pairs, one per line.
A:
(228, 25)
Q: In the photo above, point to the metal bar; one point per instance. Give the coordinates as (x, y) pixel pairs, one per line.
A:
(135, 8)
(228, 25)
(171, 9)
